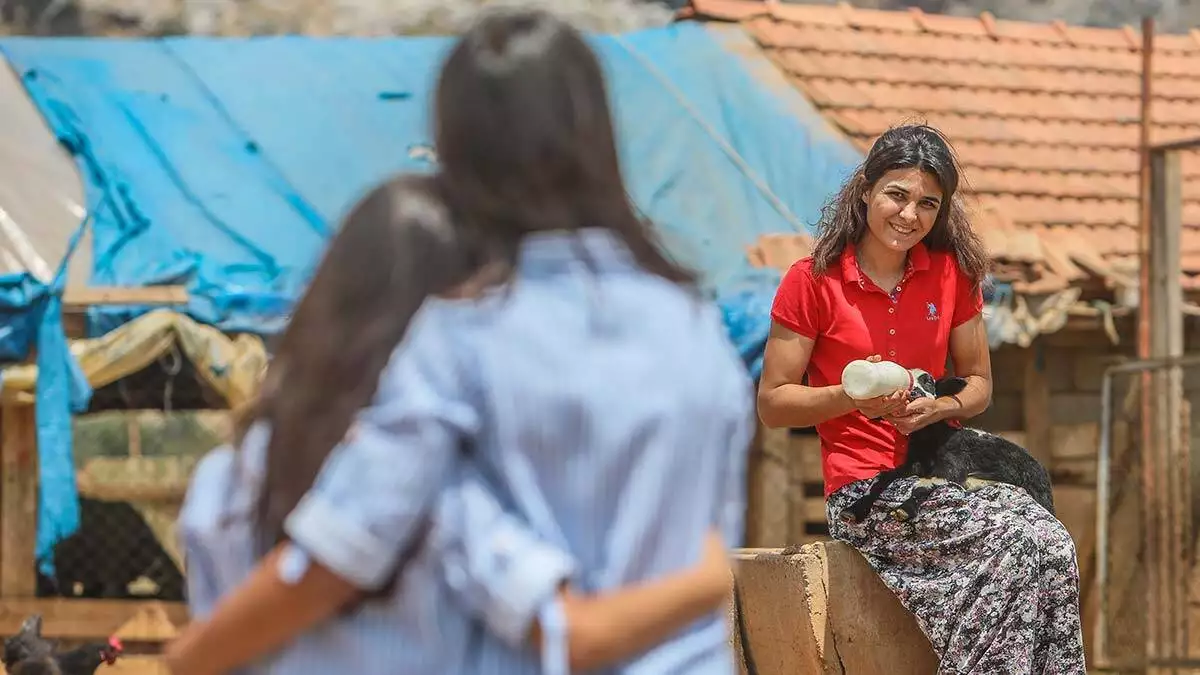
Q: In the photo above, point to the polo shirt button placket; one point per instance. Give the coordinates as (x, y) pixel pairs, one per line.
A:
(895, 298)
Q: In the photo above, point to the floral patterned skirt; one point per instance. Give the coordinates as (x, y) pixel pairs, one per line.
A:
(990, 575)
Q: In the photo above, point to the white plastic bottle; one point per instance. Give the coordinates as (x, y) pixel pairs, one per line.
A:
(863, 379)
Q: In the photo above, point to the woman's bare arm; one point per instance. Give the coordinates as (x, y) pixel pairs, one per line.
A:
(258, 618)
(972, 361)
(265, 613)
(608, 628)
(783, 402)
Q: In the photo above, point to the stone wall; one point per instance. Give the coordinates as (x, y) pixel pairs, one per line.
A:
(821, 609)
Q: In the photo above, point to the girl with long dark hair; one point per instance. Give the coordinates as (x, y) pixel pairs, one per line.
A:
(583, 382)
(896, 273)
(396, 248)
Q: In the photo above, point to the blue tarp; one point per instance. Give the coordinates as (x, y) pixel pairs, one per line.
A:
(224, 164)
(31, 314)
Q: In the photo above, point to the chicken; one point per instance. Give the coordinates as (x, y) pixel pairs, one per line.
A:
(28, 653)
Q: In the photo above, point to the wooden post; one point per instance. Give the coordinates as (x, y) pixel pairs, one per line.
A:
(1037, 405)
(1150, 487)
(1166, 497)
(18, 501)
(133, 428)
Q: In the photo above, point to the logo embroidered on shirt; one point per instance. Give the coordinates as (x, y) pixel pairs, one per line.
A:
(932, 314)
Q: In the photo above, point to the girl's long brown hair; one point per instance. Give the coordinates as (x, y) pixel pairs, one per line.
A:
(525, 138)
(395, 248)
(910, 146)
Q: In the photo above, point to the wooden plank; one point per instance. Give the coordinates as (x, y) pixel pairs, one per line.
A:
(1164, 520)
(79, 299)
(73, 619)
(1126, 619)
(768, 509)
(1076, 508)
(1074, 448)
(139, 664)
(1075, 441)
(769, 486)
(76, 302)
(18, 500)
(800, 475)
(814, 509)
(807, 449)
(165, 492)
(775, 443)
(1036, 406)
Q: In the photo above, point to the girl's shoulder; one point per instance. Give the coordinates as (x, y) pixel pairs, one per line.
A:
(803, 266)
(223, 482)
(803, 279)
(208, 488)
(945, 263)
(216, 467)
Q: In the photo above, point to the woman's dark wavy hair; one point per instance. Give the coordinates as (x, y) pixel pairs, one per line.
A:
(525, 138)
(396, 247)
(910, 146)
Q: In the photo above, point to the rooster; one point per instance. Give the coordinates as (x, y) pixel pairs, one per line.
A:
(28, 653)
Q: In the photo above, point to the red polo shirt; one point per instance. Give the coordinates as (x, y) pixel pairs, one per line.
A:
(851, 318)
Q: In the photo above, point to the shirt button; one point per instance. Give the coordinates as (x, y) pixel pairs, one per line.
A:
(897, 289)
(891, 310)
(892, 352)
(892, 331)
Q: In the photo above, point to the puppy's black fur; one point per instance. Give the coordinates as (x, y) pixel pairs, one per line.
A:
(940, 453)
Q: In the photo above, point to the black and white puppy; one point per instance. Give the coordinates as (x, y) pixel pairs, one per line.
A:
(941, 453)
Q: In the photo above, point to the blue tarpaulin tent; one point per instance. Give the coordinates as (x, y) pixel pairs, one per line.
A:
(223, 165)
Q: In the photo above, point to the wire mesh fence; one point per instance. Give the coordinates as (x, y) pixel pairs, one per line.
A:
(132, 466)
(1146, 516)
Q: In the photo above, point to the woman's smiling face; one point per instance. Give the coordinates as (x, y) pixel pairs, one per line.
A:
(902, 207)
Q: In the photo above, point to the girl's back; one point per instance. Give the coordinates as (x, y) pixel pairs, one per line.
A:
(617, 414)
(611, 413)
(413, 627)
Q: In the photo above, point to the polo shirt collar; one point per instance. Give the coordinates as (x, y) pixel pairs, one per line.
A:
(918, 261)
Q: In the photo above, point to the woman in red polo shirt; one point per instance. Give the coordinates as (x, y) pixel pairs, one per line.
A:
(895, 272)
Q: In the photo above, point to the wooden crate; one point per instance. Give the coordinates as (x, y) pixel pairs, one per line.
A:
(144, 625)
(148, 624)
(786, 493)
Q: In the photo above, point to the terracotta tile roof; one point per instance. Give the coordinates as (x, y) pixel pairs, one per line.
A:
(1044, 118)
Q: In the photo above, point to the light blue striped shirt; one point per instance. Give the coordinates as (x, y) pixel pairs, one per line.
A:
(607, 419)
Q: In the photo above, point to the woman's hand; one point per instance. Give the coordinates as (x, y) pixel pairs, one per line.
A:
(614, 626)
(917, 415)
(714, 570)
(880, 406)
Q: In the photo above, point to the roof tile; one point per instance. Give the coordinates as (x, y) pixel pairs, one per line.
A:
(809, 15)
(1081, 36)
(950, 25)
(1171, 44)
(1021, 31)
(1044, 118)
(902, 22)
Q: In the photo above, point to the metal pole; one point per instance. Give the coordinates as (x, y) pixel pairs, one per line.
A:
(1100, 634)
